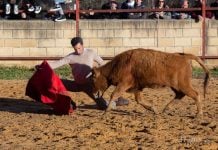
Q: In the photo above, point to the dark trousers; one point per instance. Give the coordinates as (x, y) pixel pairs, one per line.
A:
(8, 1)
(87, 88)
(31, 2)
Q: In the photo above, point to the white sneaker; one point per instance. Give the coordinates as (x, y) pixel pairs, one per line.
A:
(38, 9)
(31, 9)
(16, 11)
(7, 9)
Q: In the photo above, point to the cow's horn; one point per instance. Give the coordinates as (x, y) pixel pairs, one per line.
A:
(88, 75)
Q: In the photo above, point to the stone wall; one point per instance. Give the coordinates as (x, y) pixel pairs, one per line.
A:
(107, 37)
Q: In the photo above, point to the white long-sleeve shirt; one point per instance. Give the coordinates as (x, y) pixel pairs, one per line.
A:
(81, 65)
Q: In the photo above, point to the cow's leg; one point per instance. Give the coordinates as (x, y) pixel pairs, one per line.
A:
(194, 95)
(122, 87)
(179, 95)
(138, 100)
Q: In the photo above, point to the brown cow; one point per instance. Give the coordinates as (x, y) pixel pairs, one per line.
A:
(133, 70)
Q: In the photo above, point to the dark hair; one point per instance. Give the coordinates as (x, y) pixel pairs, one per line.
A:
(76, 40)
(157, 4)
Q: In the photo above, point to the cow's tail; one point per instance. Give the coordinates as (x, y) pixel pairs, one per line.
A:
(206, 70)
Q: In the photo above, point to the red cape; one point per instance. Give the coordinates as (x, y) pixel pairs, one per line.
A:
(46, 87)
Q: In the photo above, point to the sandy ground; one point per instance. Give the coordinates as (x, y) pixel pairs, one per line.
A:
(25, 124)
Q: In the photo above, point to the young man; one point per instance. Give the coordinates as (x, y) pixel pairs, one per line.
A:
(58, 8)
(112, 5)
(81, 62)
(128, 4)
(182, 15)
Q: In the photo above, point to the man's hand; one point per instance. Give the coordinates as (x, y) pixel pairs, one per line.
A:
(37, 67)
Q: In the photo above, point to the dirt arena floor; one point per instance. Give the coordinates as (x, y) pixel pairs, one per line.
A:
(25, 124)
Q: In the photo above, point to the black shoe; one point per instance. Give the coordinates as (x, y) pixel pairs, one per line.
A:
(73, 105)
(6, 17)
(197, 19)
(101, 103)
(61, 18)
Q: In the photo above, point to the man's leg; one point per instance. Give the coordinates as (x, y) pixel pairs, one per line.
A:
(7, 7)
(58, 9)
(74, 87)
(35, 6)
(16, 9)
(17, 2)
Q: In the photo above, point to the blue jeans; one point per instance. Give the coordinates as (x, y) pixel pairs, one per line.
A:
(59, 1)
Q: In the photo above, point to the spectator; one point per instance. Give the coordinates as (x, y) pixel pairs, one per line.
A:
(215, 12)
(197, 15)
(182, 15)
(161, 15)
(138, 5)
(109, 5)
(91, 15)
(8, 4)
(133, 4)
(30, 10)
(128, 4)
(112, 5)
(59, 10)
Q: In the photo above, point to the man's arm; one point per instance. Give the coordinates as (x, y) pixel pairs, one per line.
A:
(98, 59)
(61, 62)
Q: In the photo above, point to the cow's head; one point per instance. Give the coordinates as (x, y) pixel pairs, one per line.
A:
(99, 81)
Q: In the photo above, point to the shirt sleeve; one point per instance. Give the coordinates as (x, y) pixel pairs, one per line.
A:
(61, 62)
(98, 59)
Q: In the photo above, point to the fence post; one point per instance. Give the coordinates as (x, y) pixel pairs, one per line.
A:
(203, 29)
(77, 17)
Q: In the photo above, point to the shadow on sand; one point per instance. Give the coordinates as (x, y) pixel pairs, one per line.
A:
(87, 106)
(22, 105)
(27, 106)
(116, 111)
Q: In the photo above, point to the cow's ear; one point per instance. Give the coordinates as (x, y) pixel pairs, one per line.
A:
(96, 72)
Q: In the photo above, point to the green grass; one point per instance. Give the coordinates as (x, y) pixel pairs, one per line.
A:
(23, 73)
(64, 72)
(14, 72)
(198, 72)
